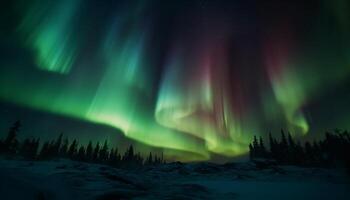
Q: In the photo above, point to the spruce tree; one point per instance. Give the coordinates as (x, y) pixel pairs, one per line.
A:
(111, 156)
(256, 148)
(81, 153)
(104, 151)
(96, 153)
(89, 151)
(290, 140)
(283, 148)
(283, 139)
(24, 149)
(64, 148)
(262, 148)
(34, 146)
(149, 160)
(44, 152)
(251, 152)
(116, 157)
(129, 154)
(57, 145)
(72, 151)
(11, 142)
(273, 147)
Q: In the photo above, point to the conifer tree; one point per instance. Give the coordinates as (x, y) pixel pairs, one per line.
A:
(57, 145)
(64, 148)
(81, 153)
(104, 151)
(129, 154)
(96, 153)
(256, 148)
(44, 152)
(111, 155)
(273, 146)
(89, 151)
(34, 146)
(290, 140)
(72, 151)
(149, 160)
(24, 149)
(114, 157)
(262, 148)
(284, 142)
(283, 148)
(11, 142)
(251, 152)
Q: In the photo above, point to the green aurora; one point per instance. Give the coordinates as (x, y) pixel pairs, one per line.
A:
(188, 92)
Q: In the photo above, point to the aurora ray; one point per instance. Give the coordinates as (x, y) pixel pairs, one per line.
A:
(48, 30)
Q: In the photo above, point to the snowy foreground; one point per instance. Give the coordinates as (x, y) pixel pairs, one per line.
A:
(66, 180)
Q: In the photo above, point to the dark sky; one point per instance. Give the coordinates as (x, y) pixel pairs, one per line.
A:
(193, 78)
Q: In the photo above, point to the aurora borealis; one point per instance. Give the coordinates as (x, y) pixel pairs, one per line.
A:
(195, 78)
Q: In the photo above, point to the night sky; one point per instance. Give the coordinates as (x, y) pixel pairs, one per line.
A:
(195, 79)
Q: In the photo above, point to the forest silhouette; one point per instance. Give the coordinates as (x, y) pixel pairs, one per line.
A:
(31, 149)
(332, 151)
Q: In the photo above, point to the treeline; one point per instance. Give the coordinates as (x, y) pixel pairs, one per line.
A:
(62, 148)
(331, 151)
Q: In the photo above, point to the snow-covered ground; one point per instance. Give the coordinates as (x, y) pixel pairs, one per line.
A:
(64, 179)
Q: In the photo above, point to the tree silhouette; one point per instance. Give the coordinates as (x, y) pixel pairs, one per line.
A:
(89, 151)
(72, 151)
(57, 145)
(96, 153)
(149, 160)
(81, 153)
(251, 152)
(114, 157)
(256, 148)
(63, 152)
(24, 148)
(62, 148)
(262, 148)
(129, 154)
(44, 152)
(10, 144)
(328, 152)
(104, 152)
